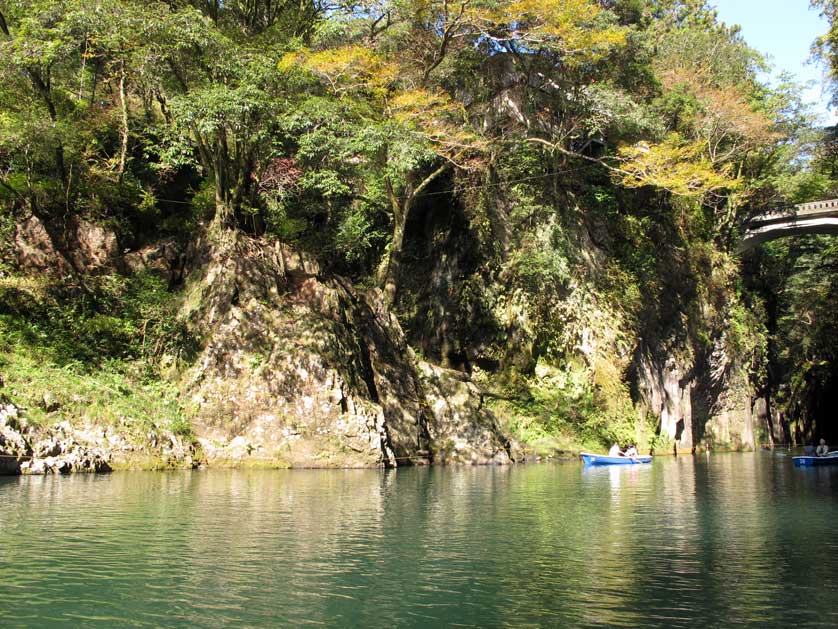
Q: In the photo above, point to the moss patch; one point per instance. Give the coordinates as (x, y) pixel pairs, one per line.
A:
(565, 409)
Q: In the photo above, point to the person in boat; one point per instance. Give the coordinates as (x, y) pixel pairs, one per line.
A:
(630, 451)
(822, 449)
(615, 451)
(809, 449)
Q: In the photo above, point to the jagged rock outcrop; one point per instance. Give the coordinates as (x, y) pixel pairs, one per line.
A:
(462, 429)
(702, 402)
(300, 370)
(62, 448)
(12, 444)
(28, 449)
(665, 393)
(75, 245)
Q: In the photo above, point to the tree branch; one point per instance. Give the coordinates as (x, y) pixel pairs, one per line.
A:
(559, 148)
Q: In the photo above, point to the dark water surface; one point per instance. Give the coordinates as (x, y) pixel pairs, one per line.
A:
(721, 540)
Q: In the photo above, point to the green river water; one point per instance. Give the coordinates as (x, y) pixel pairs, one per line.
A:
(729, 539)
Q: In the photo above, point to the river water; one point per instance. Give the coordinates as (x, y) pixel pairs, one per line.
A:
(719, 540)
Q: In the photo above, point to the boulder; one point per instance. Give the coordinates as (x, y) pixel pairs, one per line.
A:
(68, 245)
(36, 467)
(165, 259)
(49, 403)
(36, 250)
(462, 429)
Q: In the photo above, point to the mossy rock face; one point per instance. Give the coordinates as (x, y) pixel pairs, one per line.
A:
(65, 246)
(314, 371)
(462, 429)
(283, 368)
(702, 398)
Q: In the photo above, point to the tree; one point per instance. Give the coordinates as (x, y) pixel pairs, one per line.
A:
(217, 82)
(35, 40)
(825, 47)
(408, 137)
(404, 84)
(712, 107)
(65, 100)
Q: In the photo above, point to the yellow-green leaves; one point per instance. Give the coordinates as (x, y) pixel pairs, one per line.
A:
(356, 72)
(437, 118)
(709, 104)
(568, 26)
(676, 165)
(347, 68)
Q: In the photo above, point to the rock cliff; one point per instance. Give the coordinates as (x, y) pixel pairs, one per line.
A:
(297, 369)
(691, 366)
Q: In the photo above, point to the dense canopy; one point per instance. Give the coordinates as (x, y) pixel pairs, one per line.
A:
(583, 167)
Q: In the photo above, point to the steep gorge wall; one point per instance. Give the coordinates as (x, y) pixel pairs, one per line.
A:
(285, 365)
(691, 365)
(675, 354)
(693, 411)
(302, 370)
(296, 367)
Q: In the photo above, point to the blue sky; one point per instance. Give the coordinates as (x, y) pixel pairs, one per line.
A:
(785, 30)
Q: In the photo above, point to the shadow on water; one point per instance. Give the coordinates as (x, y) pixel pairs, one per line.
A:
(739, 538)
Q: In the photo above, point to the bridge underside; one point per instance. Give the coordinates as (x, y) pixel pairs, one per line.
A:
(758, 235)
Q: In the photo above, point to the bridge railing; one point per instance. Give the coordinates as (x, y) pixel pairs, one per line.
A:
(818, 217)
(830, 204)
(800, 210)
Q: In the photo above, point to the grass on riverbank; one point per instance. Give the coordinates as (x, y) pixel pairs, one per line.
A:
(91, 354)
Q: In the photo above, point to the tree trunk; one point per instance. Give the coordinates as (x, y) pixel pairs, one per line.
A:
(394, 262)
(225, 210)
(123, 149)
(228, 194)
(401, 212)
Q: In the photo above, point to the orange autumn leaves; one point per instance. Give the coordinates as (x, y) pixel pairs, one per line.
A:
(702, 160)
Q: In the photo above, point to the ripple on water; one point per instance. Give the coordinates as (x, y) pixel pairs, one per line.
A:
(736, 539)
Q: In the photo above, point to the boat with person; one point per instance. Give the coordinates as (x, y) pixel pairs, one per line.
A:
(830, 458)
(604, 459)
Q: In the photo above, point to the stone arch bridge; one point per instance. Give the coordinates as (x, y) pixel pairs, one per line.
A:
(818, 217)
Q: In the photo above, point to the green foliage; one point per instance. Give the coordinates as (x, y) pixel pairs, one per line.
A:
(96, 352)
(801, 280)
(541, 268)
(826, 46)
(110, 318)
(747, 336)
(117, 394)
(563, 407)
(356, 236)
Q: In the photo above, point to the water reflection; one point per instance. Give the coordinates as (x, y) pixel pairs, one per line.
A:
(687, 541)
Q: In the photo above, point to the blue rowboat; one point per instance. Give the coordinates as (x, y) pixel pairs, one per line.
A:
(811, 461)
(604, 459)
